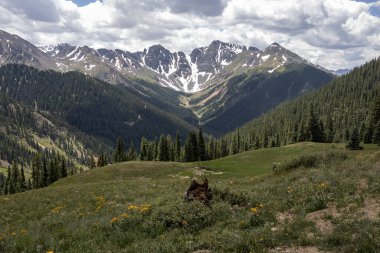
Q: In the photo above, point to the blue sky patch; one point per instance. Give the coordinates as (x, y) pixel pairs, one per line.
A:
(83, 2)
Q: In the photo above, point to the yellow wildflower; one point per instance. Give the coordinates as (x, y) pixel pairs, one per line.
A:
(115, 219)
(142, 208)
(50, 251)
(57, 209)
(254, 209)
(123, 216)
(100, 201)
(132, 207)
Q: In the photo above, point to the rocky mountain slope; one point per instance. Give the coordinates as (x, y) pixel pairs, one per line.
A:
(219, 87)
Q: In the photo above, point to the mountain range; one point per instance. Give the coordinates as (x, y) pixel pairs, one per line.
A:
(218, 87)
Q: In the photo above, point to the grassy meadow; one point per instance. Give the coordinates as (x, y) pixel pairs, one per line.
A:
(322, 198)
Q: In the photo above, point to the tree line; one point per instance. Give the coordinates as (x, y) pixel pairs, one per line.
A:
(44, 169)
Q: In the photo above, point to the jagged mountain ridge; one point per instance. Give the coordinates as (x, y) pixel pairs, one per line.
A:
(181, 72)
(202, 68)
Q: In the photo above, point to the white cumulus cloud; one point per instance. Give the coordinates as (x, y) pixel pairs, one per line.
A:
(332, 33)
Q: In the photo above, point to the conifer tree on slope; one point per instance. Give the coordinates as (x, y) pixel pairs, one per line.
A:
(201, 146)
(131, 155)
(191, 148)
(314, 131)
(144, 148)
(163, 150)
(354, 143)
(119, 155)
(376, 133)
(177, 147)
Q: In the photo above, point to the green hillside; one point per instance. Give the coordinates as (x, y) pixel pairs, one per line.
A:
(138, 206)
(89, 106)
(339, 107)
(243, 97)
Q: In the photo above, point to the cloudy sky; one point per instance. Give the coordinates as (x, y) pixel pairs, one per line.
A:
(332, 33)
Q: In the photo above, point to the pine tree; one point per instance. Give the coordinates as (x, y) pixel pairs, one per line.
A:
(53, 173)
(314, 131)
(211, 149)
(119, 154)
(354, 143)
(23, 185)
(131, 156)
(155, 149)
(177, 147)
(302, 135)
(163, 150)
(265, 141)
(102, 160)
(151, 148)
(201, 146)
(376, 133)
(235, 145)
(170, 143)
(15, 178)
(368, 133)
(330, 131)
(2, 183)
(223, 148)
(45, 174)
(144, 147)
(191, 148)
(63, 169)
(8, 181)
(30, 185)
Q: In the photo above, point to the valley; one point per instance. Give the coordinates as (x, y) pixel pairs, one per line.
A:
(171, 126)
(138, 206)
(228, 78)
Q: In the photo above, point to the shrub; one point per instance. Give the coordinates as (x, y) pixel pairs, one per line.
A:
(311, 161)
(233, 198)
(192, 217)
(315, 202)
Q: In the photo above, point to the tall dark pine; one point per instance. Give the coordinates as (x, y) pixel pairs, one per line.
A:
(2, 183)
(131, 155)
(8, 181)
(376, 133)
(223, 148)
(45, 173)
(329, 130)
(191, 148)
(63, 169)
(102, 161)
(201, 146)
(235, 145)
(15, 178)
(177, 147)
(354, 143)
(119, 155)
(23, 185)
(368, 132)
(163, 150)
(53, 173)
(144, 148)
(314, 130)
